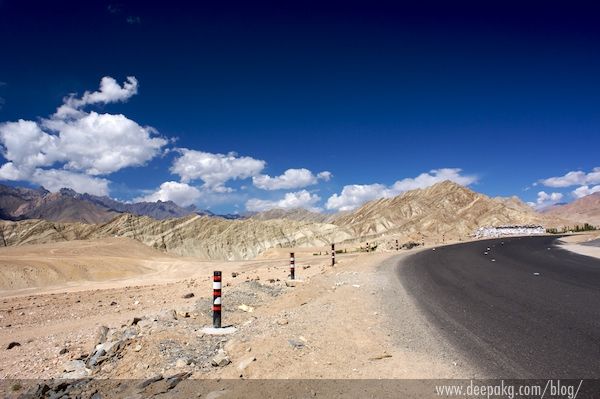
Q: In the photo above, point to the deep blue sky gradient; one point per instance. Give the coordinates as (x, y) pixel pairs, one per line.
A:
(372, 91)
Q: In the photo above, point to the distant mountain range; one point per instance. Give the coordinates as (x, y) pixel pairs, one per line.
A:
(585, 209)
(18, 203)
(444, 211)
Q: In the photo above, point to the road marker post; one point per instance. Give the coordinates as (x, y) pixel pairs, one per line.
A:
(332, 254)
(216, 299)
(292, 266)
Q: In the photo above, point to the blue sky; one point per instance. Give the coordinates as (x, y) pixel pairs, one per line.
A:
(225, 98)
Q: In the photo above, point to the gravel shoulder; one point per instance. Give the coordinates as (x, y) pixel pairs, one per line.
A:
(350, 321)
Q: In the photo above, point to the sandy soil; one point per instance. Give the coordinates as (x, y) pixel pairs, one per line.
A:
(353, 320)
(574, 243)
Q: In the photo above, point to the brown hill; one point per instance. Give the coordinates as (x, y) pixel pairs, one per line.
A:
(201, 236)
(582, 210)
(299, 214)
(445, 210)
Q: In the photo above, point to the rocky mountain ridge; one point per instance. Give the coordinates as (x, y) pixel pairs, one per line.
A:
(441, 212)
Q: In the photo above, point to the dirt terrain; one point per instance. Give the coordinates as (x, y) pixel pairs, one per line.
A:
(352, 320)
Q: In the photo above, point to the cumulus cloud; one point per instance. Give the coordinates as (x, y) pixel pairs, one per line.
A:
(290, 179)
(353, 196)
(573, 178)
(73, 146)
(181, 193)
(214, 169)
(299, 199)
(585, 190)
(109, 92)
(544, 199)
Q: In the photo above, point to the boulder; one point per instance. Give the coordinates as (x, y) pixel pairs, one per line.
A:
(221, 359)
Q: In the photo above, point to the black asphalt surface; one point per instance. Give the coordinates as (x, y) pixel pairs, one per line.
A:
(509, 321)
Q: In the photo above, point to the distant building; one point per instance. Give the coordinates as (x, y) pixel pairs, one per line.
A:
(499, 231)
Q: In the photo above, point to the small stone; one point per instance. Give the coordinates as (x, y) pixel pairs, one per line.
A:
(282, 322)
(183, 314)
(149, 381)
(13, 344)
(135, 320)
(296, 343)
(101, 335)
(137, 348)
(245, 362)
(73, 365)
(181, 362)
(234, 274)
(167, 315)
(63, 351)
(221, 359)
(188, 295)
(113, 303)
(246, 308)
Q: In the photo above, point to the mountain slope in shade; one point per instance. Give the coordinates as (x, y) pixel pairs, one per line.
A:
(444, 210)
(582, 210)
(157, 210)
(17, 203)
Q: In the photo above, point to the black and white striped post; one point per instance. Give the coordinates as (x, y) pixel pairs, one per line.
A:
(332, 254)
(216, 299)
(292, 266)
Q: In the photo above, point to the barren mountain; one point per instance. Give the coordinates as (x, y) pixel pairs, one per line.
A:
(299, 214)
(445, 210)
(18, 203)
(66, 205)
(582, 210)
(201, 236)
(157, 210)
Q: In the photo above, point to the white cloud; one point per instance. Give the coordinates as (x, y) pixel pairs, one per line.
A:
(325, 175)
(214, 169)
(110, 92)
(353, 196)
(299, 199)
(74, 145)
(585, 190)
(180, 193)
(544, 199)
(431, 178)
(290, 179)
(573, 178)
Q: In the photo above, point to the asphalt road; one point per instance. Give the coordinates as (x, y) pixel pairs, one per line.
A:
(527, 309)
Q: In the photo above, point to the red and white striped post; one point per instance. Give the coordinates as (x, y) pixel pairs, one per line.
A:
(332, 254)
(292, 266)
(216, 299)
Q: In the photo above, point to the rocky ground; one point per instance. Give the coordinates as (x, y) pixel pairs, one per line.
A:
(350, 321)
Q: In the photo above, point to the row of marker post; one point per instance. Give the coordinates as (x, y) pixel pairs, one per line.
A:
(216, 308)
